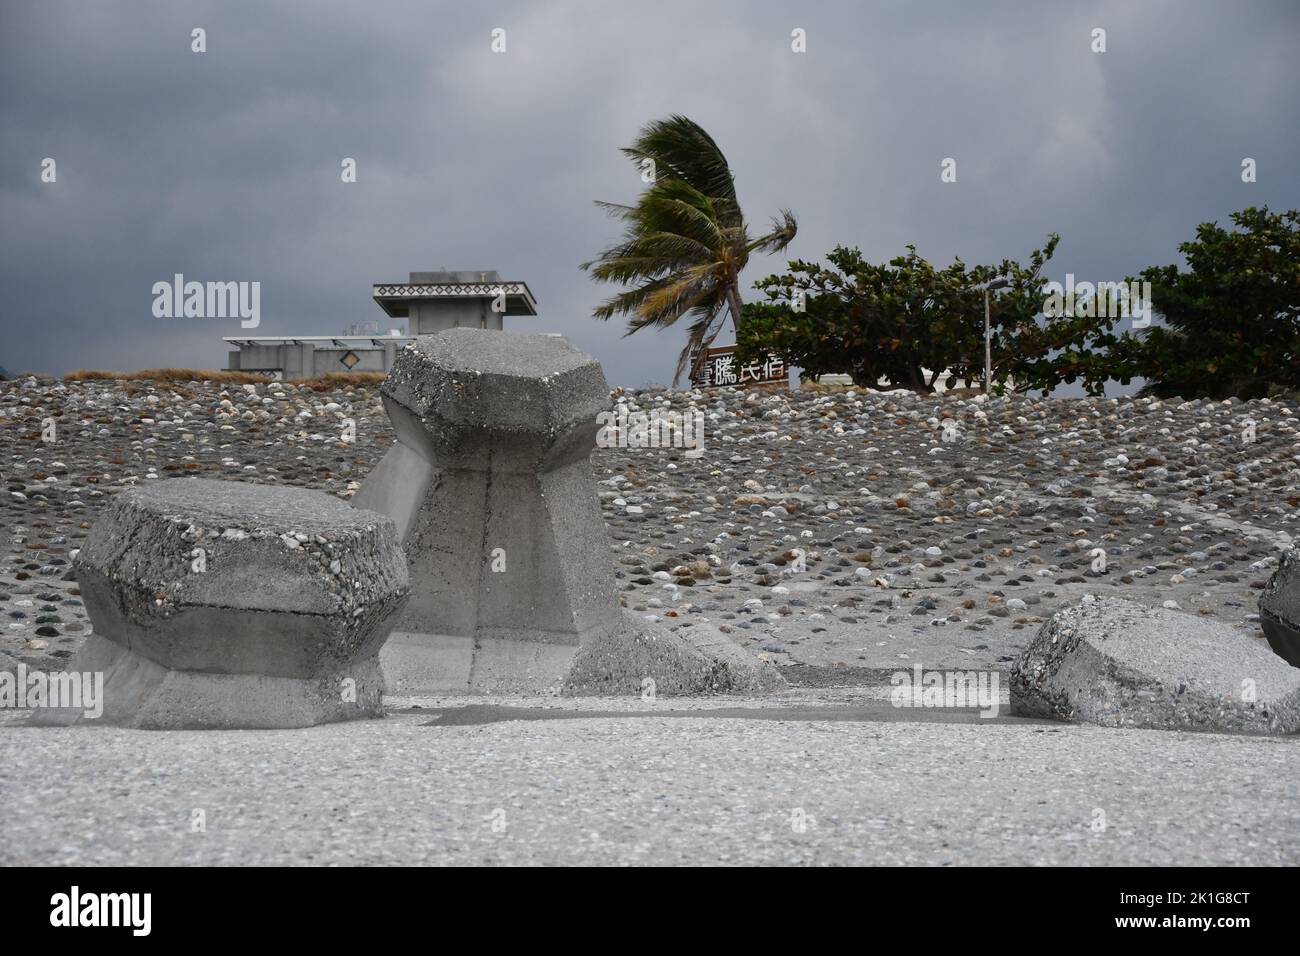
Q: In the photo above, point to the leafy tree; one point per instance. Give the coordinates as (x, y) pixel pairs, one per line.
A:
(685, 240)
(907, 323)
(1232, 319)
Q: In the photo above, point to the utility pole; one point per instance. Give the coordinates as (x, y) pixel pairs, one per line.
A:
(988, 347)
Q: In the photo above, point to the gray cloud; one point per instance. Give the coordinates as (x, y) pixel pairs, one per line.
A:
(225, 165)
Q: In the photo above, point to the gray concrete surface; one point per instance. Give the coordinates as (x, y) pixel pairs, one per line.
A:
(222, 604)
(626, 790)
(1118, 663)
(1279, 609)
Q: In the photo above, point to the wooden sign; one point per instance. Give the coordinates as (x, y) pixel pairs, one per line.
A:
(719, 367)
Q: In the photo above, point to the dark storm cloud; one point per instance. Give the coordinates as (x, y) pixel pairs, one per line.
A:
(225, 165)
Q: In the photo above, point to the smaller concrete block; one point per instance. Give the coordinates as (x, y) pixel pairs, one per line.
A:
(1279, 609)
(225, 604)
(690, 660)
(1120, 664)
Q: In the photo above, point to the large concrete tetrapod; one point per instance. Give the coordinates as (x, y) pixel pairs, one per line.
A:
(490, 485)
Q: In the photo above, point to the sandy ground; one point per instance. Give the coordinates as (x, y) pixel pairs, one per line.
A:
(640, 788)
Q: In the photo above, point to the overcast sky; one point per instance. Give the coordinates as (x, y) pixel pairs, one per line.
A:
(225, 165)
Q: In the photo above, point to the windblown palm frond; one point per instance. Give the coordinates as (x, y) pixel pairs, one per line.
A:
(682, 150)
(685, 241)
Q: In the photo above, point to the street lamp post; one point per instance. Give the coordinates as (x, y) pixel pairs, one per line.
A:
(988, 348)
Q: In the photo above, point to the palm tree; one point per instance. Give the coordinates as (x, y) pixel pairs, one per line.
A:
(685, 241)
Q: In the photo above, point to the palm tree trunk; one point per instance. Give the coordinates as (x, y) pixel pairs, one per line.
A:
(734, 305)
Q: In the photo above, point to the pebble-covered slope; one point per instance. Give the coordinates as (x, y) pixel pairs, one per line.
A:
(922, 543)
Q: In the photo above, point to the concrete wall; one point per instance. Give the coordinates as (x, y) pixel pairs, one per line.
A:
(435, 315)
(259, 358)
(308, 359)
(327, 360)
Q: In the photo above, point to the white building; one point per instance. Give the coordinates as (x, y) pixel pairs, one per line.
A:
(431, 301)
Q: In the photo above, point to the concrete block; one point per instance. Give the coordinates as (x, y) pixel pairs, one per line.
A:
(689, 660)
(1113, 662)
(224, 604)
(490, 486)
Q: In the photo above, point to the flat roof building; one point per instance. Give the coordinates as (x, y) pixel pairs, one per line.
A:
(433, 301)
(430, 302)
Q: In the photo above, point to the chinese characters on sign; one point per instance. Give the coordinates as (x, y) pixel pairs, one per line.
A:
(718, 367)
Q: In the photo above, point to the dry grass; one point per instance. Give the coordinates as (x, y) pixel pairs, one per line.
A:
(320, 383)
(170, 375)
(818, 388)
(336, 379)
(199, 375)
(89, 374)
